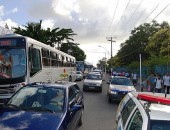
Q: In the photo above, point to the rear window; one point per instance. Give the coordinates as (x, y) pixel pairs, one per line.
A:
(160, 125)
(94, 77)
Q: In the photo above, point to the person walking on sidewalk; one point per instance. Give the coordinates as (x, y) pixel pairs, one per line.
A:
(166, 82)
(158, 84)
(150, 82)
(134, 78)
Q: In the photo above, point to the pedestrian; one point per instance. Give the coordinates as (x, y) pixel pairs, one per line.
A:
(166, 82)
(150, 82)
(158, 84)
(134, 78)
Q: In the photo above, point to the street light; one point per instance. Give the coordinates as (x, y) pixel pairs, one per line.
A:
(105, 56)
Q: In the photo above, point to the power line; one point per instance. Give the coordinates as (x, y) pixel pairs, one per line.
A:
(132, 15)
(151, 12)
(113, 17)
(122, 15)
(160, 12)
(134, 12)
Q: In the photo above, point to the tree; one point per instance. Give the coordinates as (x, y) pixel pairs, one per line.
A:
(137, 43)
(50, 36)
(76, 51)
(159, 43)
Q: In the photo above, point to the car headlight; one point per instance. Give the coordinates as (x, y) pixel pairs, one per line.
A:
(113, 92)
(98, 84)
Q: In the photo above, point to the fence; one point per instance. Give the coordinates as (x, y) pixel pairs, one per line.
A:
(160, 69)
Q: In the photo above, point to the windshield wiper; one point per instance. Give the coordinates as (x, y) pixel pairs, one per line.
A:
(17, 107)
(41, 109)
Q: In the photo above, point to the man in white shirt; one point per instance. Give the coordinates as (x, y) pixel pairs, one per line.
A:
(166, 82)
(158, 84)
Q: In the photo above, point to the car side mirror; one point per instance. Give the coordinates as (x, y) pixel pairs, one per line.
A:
(75, 108)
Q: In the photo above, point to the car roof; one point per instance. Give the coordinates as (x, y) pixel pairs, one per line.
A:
(58, 84)
(156, 111)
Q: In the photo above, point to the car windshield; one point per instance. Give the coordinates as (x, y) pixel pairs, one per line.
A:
(39, 98)
(122, 81)
(93, 77)
(160, 125)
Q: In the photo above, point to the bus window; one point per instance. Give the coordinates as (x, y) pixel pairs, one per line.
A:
(35, 61)
(45, 57)
(53, 59)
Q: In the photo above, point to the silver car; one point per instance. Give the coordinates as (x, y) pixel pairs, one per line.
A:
(118, 87)
(79, 75)
(93, 81)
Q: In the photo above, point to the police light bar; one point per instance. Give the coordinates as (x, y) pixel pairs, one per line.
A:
(154, 99)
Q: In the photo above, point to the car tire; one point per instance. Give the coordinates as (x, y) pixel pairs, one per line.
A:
(84, 89)
(81, 118)
(109, 100)
(100, 90)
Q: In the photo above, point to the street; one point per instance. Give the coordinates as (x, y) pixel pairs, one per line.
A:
(99, 114)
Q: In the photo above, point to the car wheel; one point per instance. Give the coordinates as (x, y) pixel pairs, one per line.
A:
(109, 100)
(84, 89)
(81, 118)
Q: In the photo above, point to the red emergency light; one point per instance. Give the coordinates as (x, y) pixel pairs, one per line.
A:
(154, 99)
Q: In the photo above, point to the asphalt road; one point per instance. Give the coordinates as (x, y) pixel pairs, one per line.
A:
(99, 114)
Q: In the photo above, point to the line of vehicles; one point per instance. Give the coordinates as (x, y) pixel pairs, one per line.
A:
(34, 86)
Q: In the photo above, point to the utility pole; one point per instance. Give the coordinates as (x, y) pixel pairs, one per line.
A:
(111, 39)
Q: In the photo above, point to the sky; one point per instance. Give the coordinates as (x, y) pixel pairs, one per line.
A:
(94, 21)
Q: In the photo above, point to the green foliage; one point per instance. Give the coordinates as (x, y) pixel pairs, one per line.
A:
(50, 36)
(75, 51)
(158, 43)
(148, 39)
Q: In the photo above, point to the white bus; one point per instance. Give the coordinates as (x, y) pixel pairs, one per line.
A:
(24, 60)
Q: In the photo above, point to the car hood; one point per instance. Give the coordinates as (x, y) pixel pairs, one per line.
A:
(29, 120)
(92, 81)
(122, 88)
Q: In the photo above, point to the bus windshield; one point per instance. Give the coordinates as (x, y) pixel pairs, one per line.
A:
(12, 62)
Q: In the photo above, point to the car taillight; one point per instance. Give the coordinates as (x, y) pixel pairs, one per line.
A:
(155, 99)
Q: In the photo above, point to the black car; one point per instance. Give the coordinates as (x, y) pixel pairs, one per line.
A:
(48, 106)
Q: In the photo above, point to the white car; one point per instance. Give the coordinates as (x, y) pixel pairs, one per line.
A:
(144, 111)
(79, 75)
(119, 86)
(93, 81)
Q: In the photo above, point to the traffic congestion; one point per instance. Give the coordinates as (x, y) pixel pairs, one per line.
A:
(70, 105)
(85, 65)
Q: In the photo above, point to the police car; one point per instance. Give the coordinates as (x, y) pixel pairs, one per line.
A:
(144, 111)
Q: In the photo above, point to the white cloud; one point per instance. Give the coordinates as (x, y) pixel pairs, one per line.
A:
(9, 22)
(65, 7)
(14, 10)
(1, 10)
(49, 23)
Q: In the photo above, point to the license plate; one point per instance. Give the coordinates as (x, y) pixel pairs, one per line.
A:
(92, 87)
